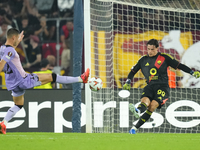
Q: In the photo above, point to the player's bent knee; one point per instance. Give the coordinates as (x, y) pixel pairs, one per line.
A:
(152, 109)
(20, 106)
(146, 100)
(54, 76)
(153, 106)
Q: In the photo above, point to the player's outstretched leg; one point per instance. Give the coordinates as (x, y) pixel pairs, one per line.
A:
(134, 110)
(2, 128)
(85, 75)
(133, 130)
(69, 80)
(46, 78)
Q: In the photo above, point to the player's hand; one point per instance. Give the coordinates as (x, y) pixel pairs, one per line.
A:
(126, 86)
(21, 36)
(196, 74)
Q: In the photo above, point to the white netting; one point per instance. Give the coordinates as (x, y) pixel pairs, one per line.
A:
(178, 5)
(120, 30)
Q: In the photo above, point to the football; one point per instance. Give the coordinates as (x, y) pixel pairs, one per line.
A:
(95, 84)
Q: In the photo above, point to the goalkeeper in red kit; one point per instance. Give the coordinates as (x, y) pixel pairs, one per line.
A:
(156, 93)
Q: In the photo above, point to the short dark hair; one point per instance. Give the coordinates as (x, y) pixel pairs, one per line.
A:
(44, 63)
(69, 21)
(11, 32)
(25, 17)
(4, 23)
(2, 12)
(153, 42)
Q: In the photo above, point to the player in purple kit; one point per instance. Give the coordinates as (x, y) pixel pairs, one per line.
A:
(17, 80)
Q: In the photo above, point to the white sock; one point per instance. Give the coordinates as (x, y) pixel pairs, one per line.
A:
(80, 79)
(67, 79)
(10, 113)
(5, 122)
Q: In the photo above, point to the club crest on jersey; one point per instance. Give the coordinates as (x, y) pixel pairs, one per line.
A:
(159, 62)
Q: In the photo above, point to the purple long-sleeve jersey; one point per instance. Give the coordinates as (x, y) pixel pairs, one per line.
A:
(14, 72)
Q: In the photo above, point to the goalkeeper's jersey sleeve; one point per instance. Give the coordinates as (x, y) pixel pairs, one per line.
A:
(134, 70)
(155, 68)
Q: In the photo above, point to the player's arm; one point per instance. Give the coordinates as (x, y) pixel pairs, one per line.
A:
(177, 65)
(186, 69)
(134, 70)
(20, 38)
(9, 54)
(2, 64)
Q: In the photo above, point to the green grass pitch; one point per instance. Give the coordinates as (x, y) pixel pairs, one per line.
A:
(99, 141)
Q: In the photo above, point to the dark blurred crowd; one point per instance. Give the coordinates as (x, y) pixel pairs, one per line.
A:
(135, 19)
(37, 18)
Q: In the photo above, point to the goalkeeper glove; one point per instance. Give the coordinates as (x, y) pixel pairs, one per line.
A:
(127, 85)
(196, 74)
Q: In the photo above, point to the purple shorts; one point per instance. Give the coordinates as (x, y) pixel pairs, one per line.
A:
(30, 81)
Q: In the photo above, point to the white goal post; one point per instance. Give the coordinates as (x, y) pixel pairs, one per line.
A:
(115, 36)
(87, 44)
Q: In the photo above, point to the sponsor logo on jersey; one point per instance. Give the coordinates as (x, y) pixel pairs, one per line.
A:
(147, 64)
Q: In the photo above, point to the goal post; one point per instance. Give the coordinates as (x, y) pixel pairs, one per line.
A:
(116, 33)
(87, 44)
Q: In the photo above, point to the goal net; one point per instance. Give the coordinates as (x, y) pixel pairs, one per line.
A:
(119, 32)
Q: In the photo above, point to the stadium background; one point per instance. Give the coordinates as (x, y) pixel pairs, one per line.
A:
(136, 31)
(144, 29)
